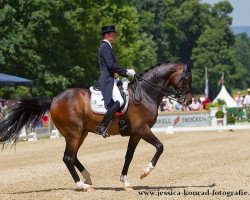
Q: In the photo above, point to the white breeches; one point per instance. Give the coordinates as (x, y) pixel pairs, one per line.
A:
(116, 95)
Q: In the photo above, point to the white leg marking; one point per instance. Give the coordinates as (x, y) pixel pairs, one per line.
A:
(82, 186)
(150, 167)
(124, 179)
(146, 171)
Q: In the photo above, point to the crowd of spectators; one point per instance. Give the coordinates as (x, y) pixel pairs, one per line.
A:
(243, 100)
(200, 103)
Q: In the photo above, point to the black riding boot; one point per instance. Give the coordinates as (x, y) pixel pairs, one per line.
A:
(102, 128)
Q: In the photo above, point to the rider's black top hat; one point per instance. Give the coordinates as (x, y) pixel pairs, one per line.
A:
(108, 29)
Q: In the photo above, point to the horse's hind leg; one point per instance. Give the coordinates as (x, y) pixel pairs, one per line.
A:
(80, 167)
(70, 159)
(84, 172)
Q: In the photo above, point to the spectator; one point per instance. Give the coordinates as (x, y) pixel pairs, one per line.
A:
(185, 108)
(246, 101)
(45, 120)
(178, 106)
(168, 104)
(239, 99)
(195, 106)
(9, 104)
(205, 102)
(199, 99)
(162, 106)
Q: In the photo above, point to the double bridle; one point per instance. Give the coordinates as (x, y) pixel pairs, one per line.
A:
(177, 94)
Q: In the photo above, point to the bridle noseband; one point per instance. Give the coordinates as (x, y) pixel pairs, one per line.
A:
(183, 91)
(177, 94)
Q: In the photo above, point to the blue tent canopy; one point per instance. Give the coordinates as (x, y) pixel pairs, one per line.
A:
(8, 80)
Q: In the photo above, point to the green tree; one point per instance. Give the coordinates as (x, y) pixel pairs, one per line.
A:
(134, 48)
(14, 92)
(55, 43)
(242, 52)
(174, 25)
(214, 50)
(152, 22)
(184, 23)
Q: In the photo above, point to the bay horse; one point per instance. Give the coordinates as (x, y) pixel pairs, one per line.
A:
(71, 113)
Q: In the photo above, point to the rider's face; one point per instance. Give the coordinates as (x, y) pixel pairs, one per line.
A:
(112, 36)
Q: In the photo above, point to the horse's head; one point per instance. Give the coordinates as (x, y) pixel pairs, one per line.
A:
(181, 81)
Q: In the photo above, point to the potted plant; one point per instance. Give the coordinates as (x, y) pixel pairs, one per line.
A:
(219, 116)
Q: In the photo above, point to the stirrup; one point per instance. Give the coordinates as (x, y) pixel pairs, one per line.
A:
(104, 133)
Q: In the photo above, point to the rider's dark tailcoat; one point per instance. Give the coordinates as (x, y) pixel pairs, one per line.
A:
(108, 67)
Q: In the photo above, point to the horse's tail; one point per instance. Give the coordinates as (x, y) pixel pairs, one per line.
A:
(26, 110)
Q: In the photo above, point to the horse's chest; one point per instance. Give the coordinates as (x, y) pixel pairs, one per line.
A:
(150, 115)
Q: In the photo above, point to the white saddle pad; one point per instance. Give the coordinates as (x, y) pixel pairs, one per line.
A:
(97, 102)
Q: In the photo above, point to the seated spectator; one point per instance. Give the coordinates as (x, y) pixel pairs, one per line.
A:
(178, 106)
(239, 99)
(205, 102)
(199, 99)
(45, 120)
(246, 101)
(185, 108)
(195, 106)
(169, 105)
(162, 106)
(166, 105)
(9, 104)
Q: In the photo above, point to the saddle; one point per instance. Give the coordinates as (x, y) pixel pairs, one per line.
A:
(97, 102)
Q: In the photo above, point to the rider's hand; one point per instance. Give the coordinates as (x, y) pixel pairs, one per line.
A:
(131, 72)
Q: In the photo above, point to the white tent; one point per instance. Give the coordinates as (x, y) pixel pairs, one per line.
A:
(223, 94)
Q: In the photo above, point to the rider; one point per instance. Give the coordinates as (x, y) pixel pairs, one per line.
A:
(108, 67)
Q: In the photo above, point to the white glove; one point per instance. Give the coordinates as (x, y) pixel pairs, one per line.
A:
(131, 72)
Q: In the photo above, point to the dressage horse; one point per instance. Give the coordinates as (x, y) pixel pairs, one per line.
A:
(73, 117)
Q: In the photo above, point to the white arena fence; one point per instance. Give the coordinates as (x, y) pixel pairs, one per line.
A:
(37, 134)
(167, 122)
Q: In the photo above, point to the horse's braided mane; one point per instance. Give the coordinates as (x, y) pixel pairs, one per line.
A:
(156, 65)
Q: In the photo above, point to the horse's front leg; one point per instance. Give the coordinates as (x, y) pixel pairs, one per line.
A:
(132, 144)
(149, 137)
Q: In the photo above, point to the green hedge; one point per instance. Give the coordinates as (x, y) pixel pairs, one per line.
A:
(241, 114)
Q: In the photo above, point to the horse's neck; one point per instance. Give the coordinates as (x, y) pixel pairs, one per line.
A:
(159, 76)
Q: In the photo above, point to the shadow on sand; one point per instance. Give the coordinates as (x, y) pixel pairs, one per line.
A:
(136, 188)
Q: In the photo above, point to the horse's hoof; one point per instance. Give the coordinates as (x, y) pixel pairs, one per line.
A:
(144, 173)
(85, 187)
(128, 189)
(89, 188)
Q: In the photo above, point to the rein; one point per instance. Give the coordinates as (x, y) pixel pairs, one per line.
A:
(180, 93)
